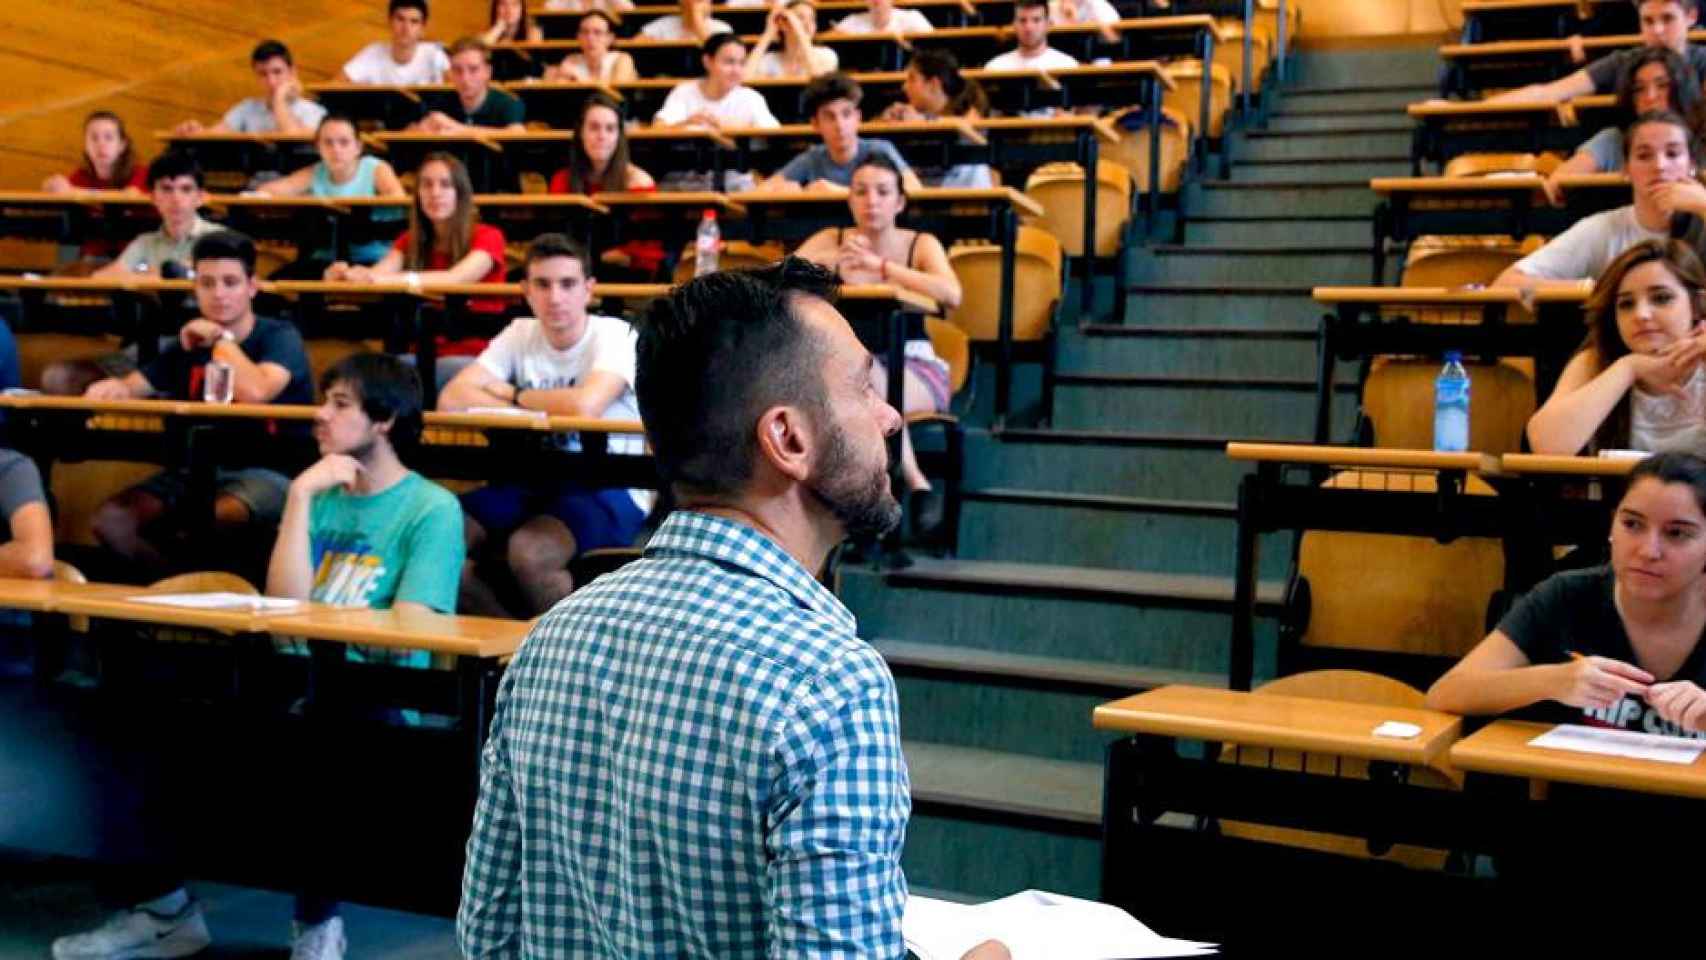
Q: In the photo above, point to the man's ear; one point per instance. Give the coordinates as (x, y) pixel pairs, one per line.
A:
(785, 441)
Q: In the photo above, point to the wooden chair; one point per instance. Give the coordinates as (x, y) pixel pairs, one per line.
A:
(199, 581)
(79, 488)
(37, 349)
(954, 347)
(326, 352)
(1349, 686)
(1037, 279)
(1229, 53)
(1132, 154)
(1186, 96)
(1397, 399)
(1059, 189)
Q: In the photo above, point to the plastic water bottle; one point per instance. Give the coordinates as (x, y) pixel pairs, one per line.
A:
(708, 244)
(1451, 405)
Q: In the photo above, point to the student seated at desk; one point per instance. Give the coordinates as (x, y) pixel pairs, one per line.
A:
(26, 528)
(876, 250)
(1656, 79)
(404, 61)
(445, 243)
(694, 22)
(175, 181)
(1616, 646)
(1638, 382)
(795, 24)
(267, 363)
(560, 361)
(477, 102)
(360, 529)
(1662, 160)
(343, 171)
(281, 106)
(109, 159)
(832, 101)
(934, 88)
(598, 163)
(1082, 11)
(511, 24)
(596, 61)
(1664, 24)
(719, 98)
(587, 6)
(882, 17)
(1030, 33)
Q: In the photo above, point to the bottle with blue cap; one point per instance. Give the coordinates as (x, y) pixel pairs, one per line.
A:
(1451, 405)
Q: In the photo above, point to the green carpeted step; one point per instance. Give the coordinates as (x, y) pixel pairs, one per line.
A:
(1188, 351)
(1258, 145)
(1322, 169)
(1393, 99)
(1348, 125)
(1243, 263)
(1279, 306)
(1228, 198)
(1097, 530)
(1416, 67)
(1245, 231)
(1112, 463)
(1032, 723)
(1275, 408)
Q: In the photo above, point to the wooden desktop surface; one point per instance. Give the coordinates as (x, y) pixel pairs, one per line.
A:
(1280, 722)
(1502, 748)
(280, 411)
(1553, 465)
(1562, 47)
(1362, 457)
(1440, 296)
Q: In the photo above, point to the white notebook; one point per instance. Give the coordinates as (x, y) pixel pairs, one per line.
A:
(220, 600)
(1607, 742)
(1036, 925)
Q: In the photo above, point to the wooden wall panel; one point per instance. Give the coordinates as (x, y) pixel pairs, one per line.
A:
(157, 62)
(1338, 19)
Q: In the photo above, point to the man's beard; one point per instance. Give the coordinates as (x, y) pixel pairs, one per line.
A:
(862, 502)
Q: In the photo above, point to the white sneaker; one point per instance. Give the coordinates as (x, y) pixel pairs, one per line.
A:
(323, 941)
(139, 934)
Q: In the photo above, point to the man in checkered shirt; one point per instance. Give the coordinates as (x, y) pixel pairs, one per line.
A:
(697, 756)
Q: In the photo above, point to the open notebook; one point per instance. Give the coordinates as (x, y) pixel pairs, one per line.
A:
(1036, 925)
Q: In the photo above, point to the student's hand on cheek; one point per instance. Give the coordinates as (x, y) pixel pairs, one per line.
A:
(1681, 703)
(1655, 373)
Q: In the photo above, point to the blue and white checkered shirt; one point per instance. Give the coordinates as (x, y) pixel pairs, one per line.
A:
(695, 756)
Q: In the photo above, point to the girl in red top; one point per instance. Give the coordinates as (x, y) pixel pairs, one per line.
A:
(445, 243)
(109, 160)
(598, 161)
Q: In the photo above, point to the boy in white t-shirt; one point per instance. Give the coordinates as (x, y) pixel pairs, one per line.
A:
(1030, 30)
(407, 59)
(694, 22)
(563, 362)
(882, 17)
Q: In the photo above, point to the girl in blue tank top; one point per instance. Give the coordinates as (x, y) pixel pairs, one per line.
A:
(344, 171)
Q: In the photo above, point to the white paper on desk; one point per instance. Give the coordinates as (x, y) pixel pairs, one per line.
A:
(1036, 925)
(220, 600)
(1607, 742)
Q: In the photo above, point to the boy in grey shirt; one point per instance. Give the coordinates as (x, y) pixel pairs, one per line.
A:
(833, 102)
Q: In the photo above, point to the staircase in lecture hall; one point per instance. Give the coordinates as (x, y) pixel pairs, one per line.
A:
(1096, 552)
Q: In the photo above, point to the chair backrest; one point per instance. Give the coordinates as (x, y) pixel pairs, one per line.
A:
(954, 347)
(1059, 189)
(79, 488)
(38, 349)
(1132, 153)
(1486, 164)
(1229, 53)
(736, 255)
(1459, 265)
(1393, 594)
(205, 581)
(1036, 286)
(1398, 398)
(1186, 95)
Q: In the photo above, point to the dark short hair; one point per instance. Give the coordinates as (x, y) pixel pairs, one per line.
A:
(548, 245)
(717, 41)
(388, 389)
(1028, 4)
(609, 20)
(174, 164)
(225, 245)
(1684, 4)
(715, 354)
(1675, 467)
(882, 162)
(828, 88)
(420, 5)
(269, 50)
(331, 118)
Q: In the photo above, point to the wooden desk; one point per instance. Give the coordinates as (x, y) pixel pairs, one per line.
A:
(1501, 748)
(136, 307)
(478, 149)
(1476, 67)
(111, 216)
(1486, 21)
(334, 224)
(1362, 458)
(391, 106)
(525, 216)
(231, 159)
(1279, 722)
(1537, 464)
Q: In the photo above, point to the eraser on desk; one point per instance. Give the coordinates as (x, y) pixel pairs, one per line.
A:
(1398, 730)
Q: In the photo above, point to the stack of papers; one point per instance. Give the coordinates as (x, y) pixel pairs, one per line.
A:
(1620, 743)
(1035, 925)
(219, 600)
(507, 412)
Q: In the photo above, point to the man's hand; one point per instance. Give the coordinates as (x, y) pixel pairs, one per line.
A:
(821, 185)
(439, 122)
(188, 128)
(333, 470)
(1578, 49)
(109, 388)
(856, 254)
(199, 333)
(706, 118)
